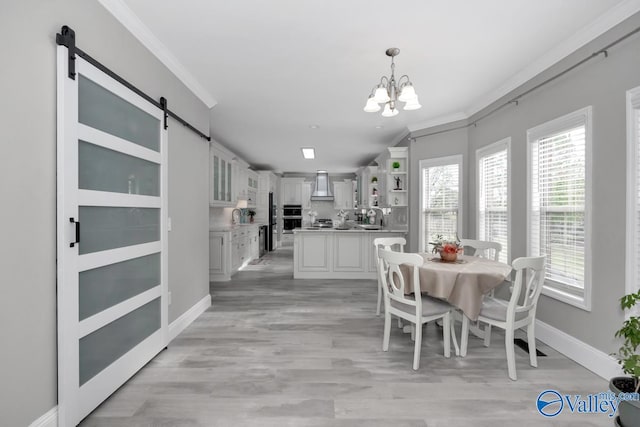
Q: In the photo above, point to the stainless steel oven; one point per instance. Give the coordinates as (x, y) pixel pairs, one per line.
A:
(291, 218)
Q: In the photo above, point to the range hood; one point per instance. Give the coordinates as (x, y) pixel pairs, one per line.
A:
(321, 191)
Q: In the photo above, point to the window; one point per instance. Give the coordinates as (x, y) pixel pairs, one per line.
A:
(441, 201)
(493, 179)
(633, 191)
(558, 204)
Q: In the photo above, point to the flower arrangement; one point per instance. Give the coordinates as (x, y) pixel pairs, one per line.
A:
(440, 241)
(447, 248)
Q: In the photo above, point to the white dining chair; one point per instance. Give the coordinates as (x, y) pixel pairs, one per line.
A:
(417, 309)
(510, 315)
(483, 248)
(488, 250)
(388, 243)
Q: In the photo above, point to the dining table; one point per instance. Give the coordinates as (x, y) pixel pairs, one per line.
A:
(462, 283)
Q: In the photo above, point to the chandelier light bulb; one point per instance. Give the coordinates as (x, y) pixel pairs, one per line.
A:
(381, 96)
(408, 93)
(372, 106)
(412, 104)
(388, 111)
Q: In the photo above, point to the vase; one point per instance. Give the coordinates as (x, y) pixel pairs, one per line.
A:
(448, 256)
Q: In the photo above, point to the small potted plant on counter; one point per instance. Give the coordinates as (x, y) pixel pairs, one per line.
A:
(629, 358)
(251, 214)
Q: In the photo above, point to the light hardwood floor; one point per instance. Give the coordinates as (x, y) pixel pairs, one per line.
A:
(274, 351)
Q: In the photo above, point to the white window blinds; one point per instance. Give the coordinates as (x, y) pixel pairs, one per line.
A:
(441, 202)
(493, 196)
(558, 201)
(558, 204)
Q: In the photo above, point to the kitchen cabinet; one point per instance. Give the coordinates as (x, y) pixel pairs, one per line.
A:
(231, 250)
(252, 188)
(221, 171)
(313, 252)
(335, 254)
(219, 256)
(343, 194)
(347, 252)
(291, 191)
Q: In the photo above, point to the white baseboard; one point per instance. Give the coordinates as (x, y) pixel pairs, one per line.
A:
(598, 362)
(49, 419)
(181, 323)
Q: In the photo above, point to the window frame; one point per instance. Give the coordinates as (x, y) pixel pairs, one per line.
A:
(581, 117)
(633, 200)
(435, 162)
(503, 144)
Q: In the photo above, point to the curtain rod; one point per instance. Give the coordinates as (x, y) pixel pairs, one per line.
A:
(517, 98)
(67, 38)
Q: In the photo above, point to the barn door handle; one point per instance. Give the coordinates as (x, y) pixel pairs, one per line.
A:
(77, 239)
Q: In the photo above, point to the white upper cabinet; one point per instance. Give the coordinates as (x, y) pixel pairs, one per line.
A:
(291, 191)
(221, 172)
(343, 194)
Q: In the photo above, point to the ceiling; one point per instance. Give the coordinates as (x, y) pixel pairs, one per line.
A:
(275, 68)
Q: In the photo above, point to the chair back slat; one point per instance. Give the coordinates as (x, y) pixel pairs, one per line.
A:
(482, 248)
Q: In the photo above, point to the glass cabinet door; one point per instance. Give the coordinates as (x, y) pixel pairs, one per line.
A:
(216, 178)
(228, 182)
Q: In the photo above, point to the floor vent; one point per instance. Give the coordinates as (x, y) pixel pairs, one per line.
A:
(525, 346)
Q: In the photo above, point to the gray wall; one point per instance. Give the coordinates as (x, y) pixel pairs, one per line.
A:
(28, 192)
(601, 83)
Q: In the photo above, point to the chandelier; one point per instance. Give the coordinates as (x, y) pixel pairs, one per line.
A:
(389, 92)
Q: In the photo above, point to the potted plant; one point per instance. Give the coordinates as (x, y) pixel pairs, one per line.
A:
(629, 358)
(374, 179)
(251, 214)
(395, 166)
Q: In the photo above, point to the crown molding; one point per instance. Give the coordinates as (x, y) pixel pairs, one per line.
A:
(605, 22)
(402, 135)
(442, 120)
(131, 22)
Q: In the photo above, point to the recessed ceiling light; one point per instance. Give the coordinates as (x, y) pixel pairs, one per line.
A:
(308, 153)
(379, 127)
(314, 126)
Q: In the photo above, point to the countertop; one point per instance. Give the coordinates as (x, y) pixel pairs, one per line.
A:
(350, 230)
(234, 227)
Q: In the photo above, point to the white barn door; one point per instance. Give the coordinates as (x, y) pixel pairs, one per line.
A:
(111, 236)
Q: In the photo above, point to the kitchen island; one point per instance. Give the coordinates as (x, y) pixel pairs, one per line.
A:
(329, 253)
